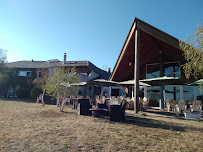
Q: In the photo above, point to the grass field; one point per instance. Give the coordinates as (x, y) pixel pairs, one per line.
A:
(31, 127)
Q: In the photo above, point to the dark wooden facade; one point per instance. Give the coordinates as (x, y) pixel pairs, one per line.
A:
(144, 45)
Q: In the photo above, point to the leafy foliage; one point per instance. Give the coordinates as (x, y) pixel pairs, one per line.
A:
(61, 83)
(23, 93)
(3, 59)
(40, 82)
(193, 53)
(35, 92)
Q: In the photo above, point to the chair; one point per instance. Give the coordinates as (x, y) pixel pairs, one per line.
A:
(180, 107)
(168, 105)
(97, 100)
(103, 99)
(196, 106)
(131, 104)
(112, 98)
(117, 112)
(145, 102)
(41, 98)
(173, 104)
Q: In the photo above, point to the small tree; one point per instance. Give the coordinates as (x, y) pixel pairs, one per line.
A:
(193, 54)
(35, 92)
(61, 83)
(3, 60)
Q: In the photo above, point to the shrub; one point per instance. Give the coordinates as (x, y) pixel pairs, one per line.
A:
(35, 92)
(23, 93)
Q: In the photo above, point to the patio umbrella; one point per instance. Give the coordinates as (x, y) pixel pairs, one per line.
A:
(167, 91)
(163, 81)
(79, 84)
(198, 82)
(102, 82)
(132, 82)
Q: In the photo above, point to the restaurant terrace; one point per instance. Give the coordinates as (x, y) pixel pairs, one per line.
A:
(149, 53)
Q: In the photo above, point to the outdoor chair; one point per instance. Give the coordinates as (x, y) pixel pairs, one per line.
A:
(168, 105)
(117, 112)
(120, 98)
(87, 97)
(145, 102)
(97, 100)
(196, 106)
(130, 105)
(180, 107)
(173, 104)
(127, 99)
(140, 100)
(80, 97)
(112, 98)
(41, 98)
(103, 99)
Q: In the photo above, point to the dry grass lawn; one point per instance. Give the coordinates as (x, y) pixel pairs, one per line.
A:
(31, 127)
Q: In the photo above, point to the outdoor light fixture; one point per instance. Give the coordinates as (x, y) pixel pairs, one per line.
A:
(130, 63)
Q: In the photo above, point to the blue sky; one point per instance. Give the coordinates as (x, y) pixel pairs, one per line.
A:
(93, 30)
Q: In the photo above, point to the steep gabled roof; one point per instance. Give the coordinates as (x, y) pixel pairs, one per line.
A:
(152, 41)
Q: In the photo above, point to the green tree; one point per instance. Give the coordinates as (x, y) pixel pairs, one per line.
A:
(61, 83)
(35, 92)
(4, 77)
(3, 60)
(193, 54)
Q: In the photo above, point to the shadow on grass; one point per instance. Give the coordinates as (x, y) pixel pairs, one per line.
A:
(164, 113)
(29, 100)
(145, 122)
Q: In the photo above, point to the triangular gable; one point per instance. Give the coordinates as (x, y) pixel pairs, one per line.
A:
(150, 30)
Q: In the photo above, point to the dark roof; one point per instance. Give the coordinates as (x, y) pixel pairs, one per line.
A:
(32, 65)
(44, 64)
(103, 74)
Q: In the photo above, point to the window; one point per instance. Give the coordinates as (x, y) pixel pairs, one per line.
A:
(39, 73)
(171, 70)
(24, 73)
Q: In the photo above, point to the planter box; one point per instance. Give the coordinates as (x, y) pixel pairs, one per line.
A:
(196, 115)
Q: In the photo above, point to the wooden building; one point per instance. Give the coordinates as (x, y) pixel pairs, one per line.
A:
(147, 53)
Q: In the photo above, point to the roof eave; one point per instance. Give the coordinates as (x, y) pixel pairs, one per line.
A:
(145, 27)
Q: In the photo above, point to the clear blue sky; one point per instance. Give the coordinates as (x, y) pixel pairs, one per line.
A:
(93, 30)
